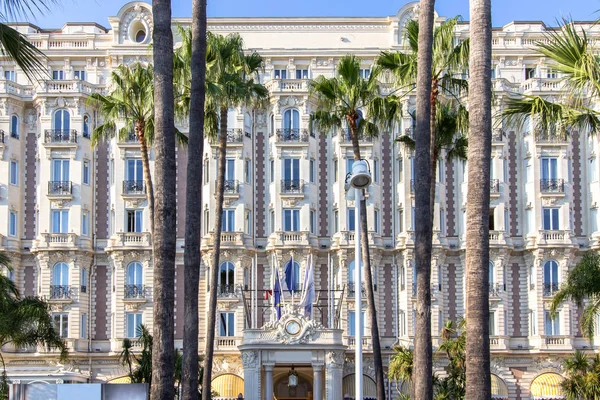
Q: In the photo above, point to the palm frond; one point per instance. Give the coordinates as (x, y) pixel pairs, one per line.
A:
(28, 57)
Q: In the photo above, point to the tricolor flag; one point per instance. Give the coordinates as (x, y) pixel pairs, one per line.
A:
(308, 295)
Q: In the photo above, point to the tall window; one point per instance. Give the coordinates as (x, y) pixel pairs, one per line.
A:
(376, 221)
(86, 126)
(312, 171)
(10, 75)
(352, 272)
(351, 220)
(376, 171)
(133, 321)
(135, 171)
(532, 323)
(336, 221)
(272, 221)
(248, 171)
(61, 324)
(248, 222)
(227, 324)
(62, 121)
(86, 173)
(492, 323)
(135, 274)
(85, 223)
(549, 168)
(301, 73)
(492, 278)
(550, 221)
(272, 170)
(291, 173)
(135, 220)
(551, 325)
(229, 169)
(313, 222)
(14, 126)
(83, 280)
(551, 277)
(352, 323)
(335, 170)
(83, 328)
(226, 277)
(60, 274)
(14, 173)
(228, 224)
(291, 220)
(291, 121)
(280, 73)
(60, 170)
(443, 221)
(349, 164)
(60, 221)
(12, 224)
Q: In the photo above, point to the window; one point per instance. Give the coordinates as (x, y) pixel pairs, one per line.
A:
(135, 171)
(549, 168)
(272, 220)
(291, 122)
(228, 222)
(349, 164)
(376, 221)
(60, 321)
(400, 170)
(492, 323)
(58, 75)
(226, 277)
(352, 272)
(60, 274)
(291, 220)
(402, 323)
(351, 220)
(206, 171)
(60, 221)
(335, 170)
(364, 73)
(62, 121)
(135, 220)
(14, 126)
(532, 323)
(272, 170)
(280, 73)
(376, 170)
(86, 126)
(352, 323)
(229, 169)
(206, 222)
(12, 225)
(83, 280)
(492, 279)
(83, 329)
(301, 74)
(313, 222)
(312, 171)
(227, 324)
(112, 172)
(551, 325)
(79, 74)
(248, 222)
(86, 173)
(291, 173)
(400, 220)
(506, 220)
(493, 73)
(593, 220)
(492, 220)
(551, 278)
(85, 223)
(133, 321)
(414, 218)
(336, 221)
(551, 73)
(248, 171)
(60, 170)
(10, 75)
(443, 221)
(135, 274)
(550, 219)
(529, 73)
(441, 171)
(14, 173)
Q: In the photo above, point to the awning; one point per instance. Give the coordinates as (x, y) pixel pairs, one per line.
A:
(121, 379)
(547, 386)
(228, 385)
(348, 386)
(499, 389)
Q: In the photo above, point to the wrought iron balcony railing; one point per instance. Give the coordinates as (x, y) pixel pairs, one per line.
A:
(494, 186)
(352, 289)
(292, 135)
(1, 136)
(134, 187)
(60, 136)
(550, 289)
(60, 187)
(226, 290)
(549, 137)
(230, 186)
(60, 292)
(346, 137)
(552, 185)
(292, 186)
(135, 291)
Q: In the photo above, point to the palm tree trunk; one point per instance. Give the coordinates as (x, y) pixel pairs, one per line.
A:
(212, 302)
(193, 214)
(478, 385)
(433, 146)
(140, 127)
(364, 243)
(165, 214)
(423, 367)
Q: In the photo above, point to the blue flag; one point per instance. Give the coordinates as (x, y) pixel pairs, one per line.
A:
(290, 279)
(277, 296)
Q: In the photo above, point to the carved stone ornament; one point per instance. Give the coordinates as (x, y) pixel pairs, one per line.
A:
(249, 358)
(294, 328)
(335, 359)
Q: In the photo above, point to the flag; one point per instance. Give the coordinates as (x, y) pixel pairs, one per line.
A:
(277, 296)
(308, 295)
(290, 280)
(268, 294)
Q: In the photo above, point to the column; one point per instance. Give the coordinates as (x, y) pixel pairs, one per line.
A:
(317, 381)
(268, 381)
(334, 369)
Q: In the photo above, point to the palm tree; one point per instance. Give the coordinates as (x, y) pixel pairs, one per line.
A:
(15, 45)
(582, 283)
(231, 76)
(583, 377)
(192, 53)
(356, 102)
(165, 212)
(132, 100)
(24, 322)
(478, 202)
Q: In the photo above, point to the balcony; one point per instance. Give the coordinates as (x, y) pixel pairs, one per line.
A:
(228, 240)
(292, 239)
(57, 241)
(550, 289)
(346, 138)
(230, 187)
(234, 136)
(351, 342)
(60, 189)
(15, 89)
(226, 291)
(228, 343)
(129, 139)
(135, 292)
(69, 87)
(60, 292)
(63, 137)
(556, 342)
(352, 289)
(497, 238)
(543, 136)
(129, 240)
(292, 135)
(494, 187)
(294, 186)
(134, 189)
(287, 85)
(551, 237)
(496, 289)
(552, 186)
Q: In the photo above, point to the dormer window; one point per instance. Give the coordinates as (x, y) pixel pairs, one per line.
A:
(140, 36)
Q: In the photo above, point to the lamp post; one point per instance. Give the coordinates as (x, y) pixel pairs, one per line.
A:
(360, 179)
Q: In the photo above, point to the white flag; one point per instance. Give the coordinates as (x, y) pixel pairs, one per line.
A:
(308, 295)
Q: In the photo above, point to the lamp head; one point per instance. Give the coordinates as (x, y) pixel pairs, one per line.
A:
(361, 177)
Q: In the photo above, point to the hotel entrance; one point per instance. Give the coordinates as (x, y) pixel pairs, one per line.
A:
(293, 382)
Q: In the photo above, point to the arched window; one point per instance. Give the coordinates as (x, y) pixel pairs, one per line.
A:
(60, 282)
(226, 278)
(62, 122)
(14, 126)
(86, 126)
(134, 287)
(291, 122)
(551, 277)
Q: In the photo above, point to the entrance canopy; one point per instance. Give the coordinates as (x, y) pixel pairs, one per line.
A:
(228, 385)
(547, 387)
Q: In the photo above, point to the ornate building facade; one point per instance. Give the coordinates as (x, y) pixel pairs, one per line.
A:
(74, 216)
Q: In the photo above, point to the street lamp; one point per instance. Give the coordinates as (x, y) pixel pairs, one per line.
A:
(359, 179)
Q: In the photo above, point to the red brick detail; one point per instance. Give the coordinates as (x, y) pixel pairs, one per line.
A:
(101, 303)
(30, 185)
(451, 292)
(182, 157)
(259, 178)
(577, 203)
(512, 184)
(179, 301)
(323, 187)
(29, 280)
(387, 213)
(102, 190)
(516, 301)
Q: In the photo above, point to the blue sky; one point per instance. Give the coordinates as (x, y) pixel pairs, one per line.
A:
(503, 11)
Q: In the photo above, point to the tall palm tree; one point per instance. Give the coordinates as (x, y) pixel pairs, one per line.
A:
(24, 322)
(15, 45)
(165, 213)
(583, 377)
(478, 202)
(192, 53)
(131, 99)
(582, 283)
(231, 75)
(348, 99)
